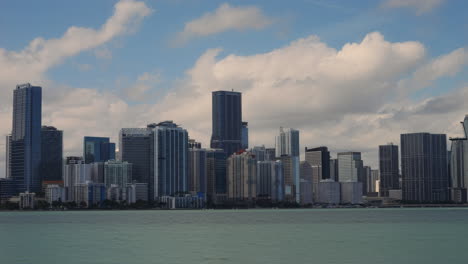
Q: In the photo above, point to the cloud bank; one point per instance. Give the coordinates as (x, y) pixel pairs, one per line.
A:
(419, 6)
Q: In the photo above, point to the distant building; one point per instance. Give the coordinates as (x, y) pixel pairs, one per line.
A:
(193, 144)
(287, 142)
(227, 121)
(25, 145)
(291, 167)
(389, 168)
(351, 192)
(260, 153)
(366, 179)
(350, 167)
(92, 194)
(216, 175)
(137, 192)
(117, 173)
(98, 149)
(328, 192)
(245, 135)
(334, 169)
(197, 182)
(459, 166)
(75, 172)
(319, 157)
(27, 200)
(135, 148)
(242, 176)
(424, 167)
(270, 180)
(308, 190)
(55, 193)
(270, 154)
(178, 202)
(7, 188)
(8, 156)
(52, 154)
(373, 181)
(170, 160)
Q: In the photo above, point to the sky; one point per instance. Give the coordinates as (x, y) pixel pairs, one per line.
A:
(350, 75)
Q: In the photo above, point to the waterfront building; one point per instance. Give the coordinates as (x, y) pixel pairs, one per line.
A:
(245, 135)
(351, 192)
(389, 168)
(291, 168)
(98, 149)
(197, 175)
(52, 154)
(25, 145)
(260, 153)
(366, 179)
(459, 166)
(424, 168)
(319, 157)
(7, 156)
(182, 202)
(372, 186)
(334, 169)
(169, 160)
(306, 185)
(350, 167)
(227, 121)
(270, 180)
(270, 154)
(55, 193)
(7, 188)
(135, 148)
(75, 172)
(92, 194)
(27, 200)
(242, 176)
(287, 142)
(216, 175)
(117, 173)
(137, 192)
(329, 192)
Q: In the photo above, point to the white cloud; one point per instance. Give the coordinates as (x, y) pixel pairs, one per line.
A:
(420, 6)
(103, 53)
(225, 18)
(144, 88)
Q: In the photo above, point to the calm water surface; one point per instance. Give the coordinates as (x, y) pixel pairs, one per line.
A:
(236, 236)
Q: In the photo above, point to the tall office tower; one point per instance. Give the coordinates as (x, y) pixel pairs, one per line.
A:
(75, 172)
(97, 172)
(374, 179)
(270, 154)
(260, 153)
(367, 178)
(287, 142)
(135, 148)
(197, 183)
(270, 180)
(216, 175)
(98, 149)
(242, 176)
(227, 121)
(334, 169)
(329, 192)
(170, 159)
(306, 185)
(193, 144)
(26, 138)
(8, 156)
(52, 154)
(459, 166)
(291, 178)
(350, 167)
(319, 157)
(117, 173)
(245, 135)
(424, 167)
(389, 169)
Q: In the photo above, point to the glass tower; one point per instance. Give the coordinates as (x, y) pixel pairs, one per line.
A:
(98, 149)
(52, 154)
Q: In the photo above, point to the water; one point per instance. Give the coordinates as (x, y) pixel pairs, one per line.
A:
(236, 236)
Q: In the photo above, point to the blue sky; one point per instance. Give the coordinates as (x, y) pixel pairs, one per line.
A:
(360, 71)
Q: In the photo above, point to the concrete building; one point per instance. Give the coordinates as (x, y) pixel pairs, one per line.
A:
(227, 121)
(27, 200)
(182, 202)
(287, 142)
(75, 172)
(270, 154)
(135, 148)
(197, 182)
(55, 193)
(270, 180)
(334, 169)
(216, 175)
(329, 192)
(137, 192)
(350, 167)
(459, 166)
(25, 145)
(373, 181)
(291, 168)
(92, 194)
(424, 168)
(319, 157)
(389, 169)
(242, 176)
(7, 156)
(307, 188)
(260, 153)
(351, 192)
(366, 179)
(117, 173)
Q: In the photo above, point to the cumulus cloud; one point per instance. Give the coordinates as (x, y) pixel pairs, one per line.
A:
(420, 6)
(144, 88)
(224, 18)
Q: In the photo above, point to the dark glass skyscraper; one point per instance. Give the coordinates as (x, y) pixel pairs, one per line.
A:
(26, 138)
(134, 147)
(216, 175)
(227, 121)
(424, 167)
(389, 168)
(98, 149)
(52, 154)
(319, 157)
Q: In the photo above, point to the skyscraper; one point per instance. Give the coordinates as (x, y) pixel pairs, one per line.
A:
(319, 157)
(52, 154)
(350, 167)
(287, 142)
(227, 121)
(117, 173)
(287, 149)
(334, 169)
(389, 169)
(7, 156)
(245, 135)
(424, 167)
(308, 188)
(170, 159)
(270, 180)
(216, 175)
(26, 138)
(98, 149)
(260, 153)
(459, 166)
(197, 183)
(242, 176)
(134, 147)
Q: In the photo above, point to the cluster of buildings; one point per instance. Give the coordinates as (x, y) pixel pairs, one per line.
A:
(161, 165)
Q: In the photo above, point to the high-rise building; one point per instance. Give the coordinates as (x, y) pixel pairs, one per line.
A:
(25, 160)
(291, 167)
(270, 154)
(135, 148)
(98, 149)
(306, 185)
(366, 179)
(351, 192)
(197, 182)
(270, 180)
(245, 135)
(227, 121)
(389, 169)
(117, 173)
(52, 154)
(169, 160)
(242, 176)
(75, 172)
(459, 166)
(328, 192)
(8, 156)
(350, 167)
(319, 157)
(372, 183)
(424, 167)
(260, 153)
(193, 144)
(334, 169)
(287, 142)
(216, 175)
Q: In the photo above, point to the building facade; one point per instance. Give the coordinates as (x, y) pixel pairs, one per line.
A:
(197, 182)
(52, 154)
(135, 147)
(270, 180)
(319, 157)
(117, 173)
(216, 175)
(98, 149)
(389, 169)
(242, 176)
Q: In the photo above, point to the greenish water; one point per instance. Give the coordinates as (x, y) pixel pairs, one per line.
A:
(236, 236)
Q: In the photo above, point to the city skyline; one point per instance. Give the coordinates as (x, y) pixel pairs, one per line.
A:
(420, 89)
